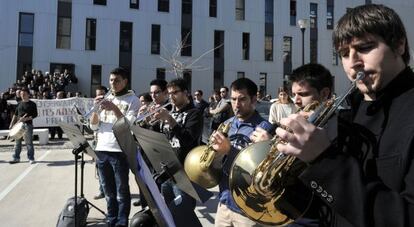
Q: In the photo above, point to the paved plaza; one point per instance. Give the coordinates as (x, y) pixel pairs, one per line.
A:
(33, 195)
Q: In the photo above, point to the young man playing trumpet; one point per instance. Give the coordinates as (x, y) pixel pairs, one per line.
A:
(112, 162)
(183, 127)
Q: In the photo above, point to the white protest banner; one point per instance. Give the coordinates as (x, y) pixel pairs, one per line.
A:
(52, 111)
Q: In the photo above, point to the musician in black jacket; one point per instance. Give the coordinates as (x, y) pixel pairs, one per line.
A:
(25, 112)
(183, 127)
(366, 176)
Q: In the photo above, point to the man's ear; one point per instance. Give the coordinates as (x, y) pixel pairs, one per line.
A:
(401, 46)
(325, 92)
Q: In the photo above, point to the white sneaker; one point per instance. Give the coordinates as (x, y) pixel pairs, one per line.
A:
(32, 162)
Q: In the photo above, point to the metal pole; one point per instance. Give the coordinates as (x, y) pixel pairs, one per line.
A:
(303, 45)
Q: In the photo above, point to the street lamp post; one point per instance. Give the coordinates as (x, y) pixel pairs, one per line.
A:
(302, 23)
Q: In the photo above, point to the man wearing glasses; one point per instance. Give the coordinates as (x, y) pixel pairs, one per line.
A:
(199, 102)
(159, 95)
(223, 109)
(183, 127)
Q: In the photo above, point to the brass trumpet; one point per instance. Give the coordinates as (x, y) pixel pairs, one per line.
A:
(84, 117)
(143, 117)
(198, 163)
(263, 180)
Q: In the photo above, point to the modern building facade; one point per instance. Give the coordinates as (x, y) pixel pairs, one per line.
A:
(221, 40)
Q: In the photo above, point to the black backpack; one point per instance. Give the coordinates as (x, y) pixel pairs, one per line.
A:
(67, 216)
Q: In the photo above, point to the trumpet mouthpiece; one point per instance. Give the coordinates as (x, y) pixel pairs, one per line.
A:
(360, 76)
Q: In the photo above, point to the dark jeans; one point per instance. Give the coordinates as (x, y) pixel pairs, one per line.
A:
(28, 139)
(113, 172)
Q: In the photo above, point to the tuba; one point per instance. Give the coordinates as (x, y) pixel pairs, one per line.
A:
(263, 180)
(199, 164)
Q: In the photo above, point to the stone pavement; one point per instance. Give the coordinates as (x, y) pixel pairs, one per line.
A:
(34, 195)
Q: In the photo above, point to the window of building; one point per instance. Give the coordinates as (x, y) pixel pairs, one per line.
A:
(313, 15)
(134, 4)
(187, 6)
(313, 47)
(287, 56)
(293, 12)
(163, 5)
(268, 48)
(334, 57)
(90, 39)
(240, 75)
(263, 83)
(99, 2)
(269, 11)
(186, 42)
(240, 8)
(187, 77)
(218, 80)
(213, 8)
(125, 37)
(155, 39)
(96, 78)
(64, 24)
(219, 44)
(26, 27)
(160, 73)
(330, 14)
(245, 45)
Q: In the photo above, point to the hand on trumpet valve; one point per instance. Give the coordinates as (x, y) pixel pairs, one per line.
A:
(162, 115)
(260, 134)
(107, 105)
(220, 143)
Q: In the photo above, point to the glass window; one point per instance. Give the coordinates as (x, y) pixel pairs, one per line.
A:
(163, 5)
(313, 15)
(213, 8)
(161, 73)
(263, 83)
(26, 27)
(99, 2)
(186, 42)
(26, 23)
(334, 57)
(219, 44)
(155, 39)
(269, 11)
(125, 40)
(293, 12)
(187, 77)
(63, 33)
(218, 80)
(90, 39)
(240, 9)
(246, 45)
(187, 6)
(269, 48)
(134, 4)
(287, 55)
(330, 14)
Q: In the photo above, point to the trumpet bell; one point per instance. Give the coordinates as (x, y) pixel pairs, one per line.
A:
(281, 209)
(205, 177)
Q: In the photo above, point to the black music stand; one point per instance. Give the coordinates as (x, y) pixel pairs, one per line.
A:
(165, 162)
(81, 146)
(143, 177)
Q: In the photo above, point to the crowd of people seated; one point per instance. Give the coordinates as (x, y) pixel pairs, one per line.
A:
(41, 86)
